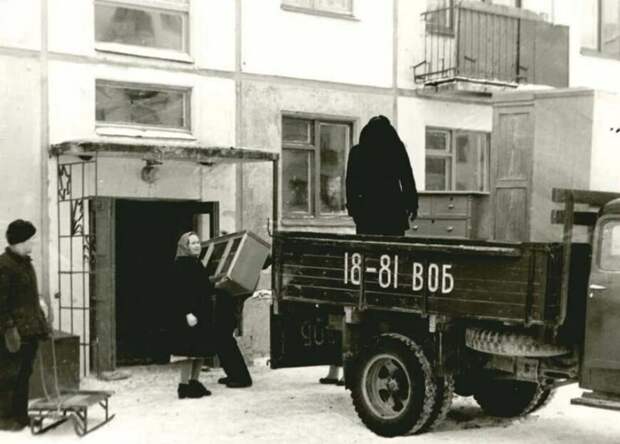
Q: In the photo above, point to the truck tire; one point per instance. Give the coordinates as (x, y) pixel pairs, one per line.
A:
(508, 398)
(510, 344)
(444, 392)
(545, 398)
(393, 390)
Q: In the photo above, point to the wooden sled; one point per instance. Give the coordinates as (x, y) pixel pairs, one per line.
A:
(46, 414)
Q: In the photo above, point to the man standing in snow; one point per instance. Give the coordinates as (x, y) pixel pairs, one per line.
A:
(22, 324)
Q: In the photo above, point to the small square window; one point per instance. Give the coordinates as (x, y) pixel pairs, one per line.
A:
(138, 105)
(457, 160)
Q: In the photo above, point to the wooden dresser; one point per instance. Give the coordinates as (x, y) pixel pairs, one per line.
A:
(451, 214)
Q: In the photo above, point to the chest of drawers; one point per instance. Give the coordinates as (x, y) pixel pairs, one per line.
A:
(451, 214)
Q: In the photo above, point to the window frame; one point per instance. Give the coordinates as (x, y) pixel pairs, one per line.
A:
(598, 51)
(601, 265)
(451, 153)
(184, 55)
(316, 10)
(129, 129)
(313, 148)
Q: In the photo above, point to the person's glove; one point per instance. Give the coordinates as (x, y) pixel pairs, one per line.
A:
(12, 340)
(191, 319)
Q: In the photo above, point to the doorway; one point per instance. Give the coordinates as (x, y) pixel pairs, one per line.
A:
(145, 238)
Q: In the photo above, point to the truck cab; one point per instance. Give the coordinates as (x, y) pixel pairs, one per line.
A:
(600, 371)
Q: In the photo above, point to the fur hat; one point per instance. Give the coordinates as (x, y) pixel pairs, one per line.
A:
(19, 231)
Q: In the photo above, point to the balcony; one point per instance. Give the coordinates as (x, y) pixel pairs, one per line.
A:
(471, 44)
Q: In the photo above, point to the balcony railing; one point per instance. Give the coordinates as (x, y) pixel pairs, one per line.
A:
(479, 43)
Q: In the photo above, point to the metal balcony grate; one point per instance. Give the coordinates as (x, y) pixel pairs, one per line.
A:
(474, 43)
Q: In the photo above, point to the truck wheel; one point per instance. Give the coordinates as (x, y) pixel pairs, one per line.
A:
(544, 399)
(393, 390)
(509, 398)
(510, 344)
(444, 391)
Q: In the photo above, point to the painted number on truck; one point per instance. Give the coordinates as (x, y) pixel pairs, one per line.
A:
(436, 277)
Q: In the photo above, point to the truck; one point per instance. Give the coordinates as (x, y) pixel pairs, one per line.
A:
(414, 321)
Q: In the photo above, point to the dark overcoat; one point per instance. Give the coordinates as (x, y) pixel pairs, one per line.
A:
(19, 297)
(191, 291)
(380, 187)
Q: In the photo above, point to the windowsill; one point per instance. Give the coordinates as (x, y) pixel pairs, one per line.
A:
(601, 55)
(335, 222)
(139, 51)
(147, 133)
(310, 11)
(459, 192)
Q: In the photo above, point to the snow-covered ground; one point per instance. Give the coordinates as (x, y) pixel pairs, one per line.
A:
(290, 406)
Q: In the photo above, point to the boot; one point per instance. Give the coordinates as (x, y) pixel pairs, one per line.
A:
(198, 388)
(187, 391)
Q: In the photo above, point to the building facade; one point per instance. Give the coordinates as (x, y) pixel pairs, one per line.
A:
(104, 104)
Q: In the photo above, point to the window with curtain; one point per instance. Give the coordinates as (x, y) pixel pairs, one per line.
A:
(314, 156)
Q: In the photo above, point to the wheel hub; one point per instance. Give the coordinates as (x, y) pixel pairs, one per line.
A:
(387, 386)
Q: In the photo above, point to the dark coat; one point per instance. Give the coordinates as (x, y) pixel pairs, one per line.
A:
(381, 190)
(191, 291)
(19, 297)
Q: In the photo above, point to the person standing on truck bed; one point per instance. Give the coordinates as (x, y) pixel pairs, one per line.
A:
(381, 192)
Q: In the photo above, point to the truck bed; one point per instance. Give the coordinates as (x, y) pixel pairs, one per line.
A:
(514, 282)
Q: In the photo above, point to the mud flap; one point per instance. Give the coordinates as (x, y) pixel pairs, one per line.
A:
(599, 400)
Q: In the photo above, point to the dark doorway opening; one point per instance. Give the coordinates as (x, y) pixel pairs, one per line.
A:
(146, 236)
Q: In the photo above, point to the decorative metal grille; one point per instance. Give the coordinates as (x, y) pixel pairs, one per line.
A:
(77, 184)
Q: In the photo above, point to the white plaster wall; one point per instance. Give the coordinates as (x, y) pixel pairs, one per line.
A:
(213, 33)
(20, 24)
(605, 159)
(285, 43)
(20, 145)
(71, 26)
(411, 34)
(415, 114)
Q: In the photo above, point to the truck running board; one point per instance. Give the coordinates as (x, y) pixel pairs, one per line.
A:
(600, 400)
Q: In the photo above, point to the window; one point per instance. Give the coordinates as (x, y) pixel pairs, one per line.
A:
(340, 7)
(314, 155)
(137, 105)
(457, 160)
(609, 247)
(143, 27)
(601, 26)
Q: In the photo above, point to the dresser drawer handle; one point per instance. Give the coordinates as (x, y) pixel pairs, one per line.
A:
(415, 228)
(450, 206)
(449, 229)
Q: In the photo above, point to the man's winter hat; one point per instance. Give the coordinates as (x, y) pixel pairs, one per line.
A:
(19, 231)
